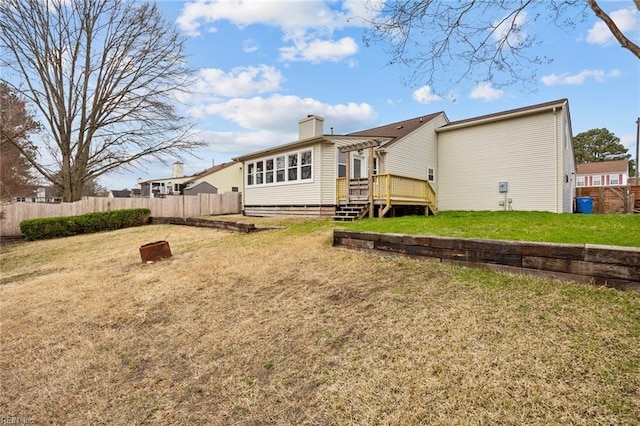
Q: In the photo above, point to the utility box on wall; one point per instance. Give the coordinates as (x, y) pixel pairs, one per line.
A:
(503, 186)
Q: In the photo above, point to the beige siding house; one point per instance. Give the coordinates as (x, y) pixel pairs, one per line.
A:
(225, 177)
(304, 177)
(520, 159)
(529, 151)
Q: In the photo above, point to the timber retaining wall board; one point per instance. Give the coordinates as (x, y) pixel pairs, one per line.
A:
(612, 266)
(244, 228)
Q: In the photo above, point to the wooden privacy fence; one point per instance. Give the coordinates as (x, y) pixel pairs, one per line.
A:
(616, 199)
(11, 214)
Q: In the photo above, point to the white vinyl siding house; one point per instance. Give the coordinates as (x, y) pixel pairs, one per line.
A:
(529, 150)
(417, 152)
(524, 149)
(289, 188)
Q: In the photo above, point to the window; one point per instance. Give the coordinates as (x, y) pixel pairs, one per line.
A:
(342, 164)
(305, 165)
(430, 175)
(375, 165)
(292, 167)
(580, 181)
(357, 168)
(597, 181)
(614, 179)
(280, 173)
(268, 177)
(259, 172)
(250, 169)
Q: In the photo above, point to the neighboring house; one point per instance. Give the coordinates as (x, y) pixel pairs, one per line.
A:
(124, 193)
(225, 177)
(520, 159)
(45, 194)
(604, 173)
(119, 193)
(158, 188)
(201, 188)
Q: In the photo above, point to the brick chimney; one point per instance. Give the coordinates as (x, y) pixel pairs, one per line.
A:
(310, 127)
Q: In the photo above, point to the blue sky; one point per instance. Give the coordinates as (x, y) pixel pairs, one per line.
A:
(263, 65)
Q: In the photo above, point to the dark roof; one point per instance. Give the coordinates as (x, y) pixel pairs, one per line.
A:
(603, 167)
(507, 113)
(121, 193)
(397, 130)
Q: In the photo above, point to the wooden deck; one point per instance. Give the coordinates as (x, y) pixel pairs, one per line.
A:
(387, 191)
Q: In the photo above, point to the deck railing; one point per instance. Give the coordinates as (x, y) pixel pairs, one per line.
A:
(394, 188)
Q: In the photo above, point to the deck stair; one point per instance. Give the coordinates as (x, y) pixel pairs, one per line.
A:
(351, 212)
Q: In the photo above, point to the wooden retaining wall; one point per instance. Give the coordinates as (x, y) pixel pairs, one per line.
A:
(244, 228)
(612, 266)
(11, 214)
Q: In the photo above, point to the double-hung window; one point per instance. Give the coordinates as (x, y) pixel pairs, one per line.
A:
(614, 179)
(596, 180)
(292, 167)
(280, 170)
(305, 165)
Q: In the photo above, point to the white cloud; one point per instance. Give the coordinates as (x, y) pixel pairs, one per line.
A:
(627, 21)
(629, 141)
(511, 28)
(486, 92)
(250, 45)
(308, 25)
(286, 15)
(242, 142)
(240, 81)
(319, 50)
(579, 78)
(278, 113)
(424, 95)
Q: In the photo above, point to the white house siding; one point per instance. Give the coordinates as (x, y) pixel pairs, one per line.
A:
(415, 153)
(521, 151)
(299, 193)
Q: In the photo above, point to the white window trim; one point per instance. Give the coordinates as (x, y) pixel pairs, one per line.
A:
(617, 178)
(286, 155)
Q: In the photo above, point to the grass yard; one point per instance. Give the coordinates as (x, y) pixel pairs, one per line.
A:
(620, 230)
(278, 327)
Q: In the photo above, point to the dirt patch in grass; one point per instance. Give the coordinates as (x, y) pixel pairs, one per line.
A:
(280, 327)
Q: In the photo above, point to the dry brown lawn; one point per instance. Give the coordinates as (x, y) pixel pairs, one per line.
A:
(278, 327)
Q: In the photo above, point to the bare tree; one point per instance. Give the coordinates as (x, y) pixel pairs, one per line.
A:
(486, 37)
(17, 124)
(105, 76)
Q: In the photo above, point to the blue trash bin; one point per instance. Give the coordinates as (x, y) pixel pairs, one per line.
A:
(584, 205)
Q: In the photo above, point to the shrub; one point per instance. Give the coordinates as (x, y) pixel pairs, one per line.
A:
(52, 227)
